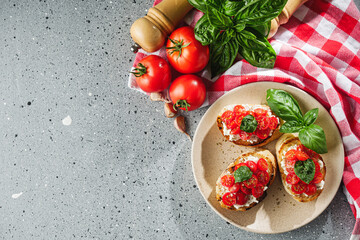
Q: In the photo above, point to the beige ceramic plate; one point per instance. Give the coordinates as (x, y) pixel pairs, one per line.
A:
(278, 212)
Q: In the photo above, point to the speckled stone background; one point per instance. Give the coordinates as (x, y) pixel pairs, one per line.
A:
(83, 156)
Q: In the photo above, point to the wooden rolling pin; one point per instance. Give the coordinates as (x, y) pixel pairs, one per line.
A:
(150, 32)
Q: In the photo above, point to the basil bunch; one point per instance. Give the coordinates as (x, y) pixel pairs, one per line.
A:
(286, 107)
(232, 27)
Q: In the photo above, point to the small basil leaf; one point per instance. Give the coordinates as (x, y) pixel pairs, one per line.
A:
(222, 55)
(284, 105)
(205, 33)
(232, 7)
(243, 173)
(313, 137)
(248, 124)
(291, 127)
(263, 29)
(218, 19)
(199, 4)
(305, 170)
(239, 27)
(311, 116)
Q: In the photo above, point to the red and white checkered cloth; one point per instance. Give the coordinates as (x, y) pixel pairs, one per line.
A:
(318, 51)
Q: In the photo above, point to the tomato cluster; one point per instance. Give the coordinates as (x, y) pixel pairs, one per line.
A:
(239, 192)
(266, 123)
(301, 153)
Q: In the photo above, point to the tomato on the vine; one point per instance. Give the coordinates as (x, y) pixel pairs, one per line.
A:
(187, 92)
(185, 53)
(153, 74)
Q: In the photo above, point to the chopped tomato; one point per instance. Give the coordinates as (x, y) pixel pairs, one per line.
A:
(263, 123)
(263, 177)
(312, 154)
(259, 112)
(231, 125)
(235, 187)
(317, 166)
(298, 188)
(310, 189)
(239, 165)
(252, 165)
(241, 198)
(317, 178)
(257, 191)
(301, 156)
(251, 182)
(273, 123)
(238, 119)
(291, 154)
(263, 134)
(244, 135)
(235, 130)
(262, 164)
(289, 165)
(239, 109)
(229, 199)
(245, 189)
(227, 116)
(291, 178)
(227, 180)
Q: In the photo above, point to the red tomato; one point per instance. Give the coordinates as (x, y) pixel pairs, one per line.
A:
(263, 177)
(185, 53)
(273, 122)
(245, 189)
(235, 188)
(235, 130)
(263, 123)
(292, 178)
(241, 198)
(239, 109)
(227, 116)
(232, 125)
(229, 199)
(310, 189)
(289, 165)
(238, 119)
(152, 74)
(187, 92)
(257, 191)
(244, 135)
(227, 180)
(301, 156)
(259, 112)
(262, 134)
(252, 165)
(317, 166)
(251, 182)
(291, 154)
(317, 178)
(298, 188)
(262, 164)
(239, 165)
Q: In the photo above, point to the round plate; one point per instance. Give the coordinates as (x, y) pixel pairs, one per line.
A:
(278, 212)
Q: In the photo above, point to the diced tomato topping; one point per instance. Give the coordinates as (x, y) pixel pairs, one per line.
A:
(244, 136)
(317, 178)
(227, 116)
(252, 165)
(229, 199)
(263, 177)
(239, 165)
(239, 109)
(292, 178)
(238, 119)
(245, 189)
(259, 112)
(235, 187)
(263, 134)
(241, 198)
(301, 156)
(289, 165)
(227, 180)
(262, 164)
(298, 188)
(263, 123)
(231, 125)
(251, 182)
(273, 123)
(310, 189)
(291, 154)
(257, 191)
(235, 130)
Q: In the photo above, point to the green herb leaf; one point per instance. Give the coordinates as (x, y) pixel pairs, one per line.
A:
(284, 105)
(311, 116)
(291, 127)
(305, 170)
(243, 173)
(313, 137)
(248, 124)
(239, 27)
(204, 31)
(222, 54)
(217, 19)
(263, 29)
(231, 8)
(199, 4)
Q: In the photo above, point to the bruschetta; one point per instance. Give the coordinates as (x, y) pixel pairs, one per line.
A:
(302, 170)
(237, 125)
(245, 181)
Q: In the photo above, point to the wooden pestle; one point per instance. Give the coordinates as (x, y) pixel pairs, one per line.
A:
(150, 32)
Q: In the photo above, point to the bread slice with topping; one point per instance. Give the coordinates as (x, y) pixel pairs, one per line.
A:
(291, 154)
(237, 195)
(267, 129)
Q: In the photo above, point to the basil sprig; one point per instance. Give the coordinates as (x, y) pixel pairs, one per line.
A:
(243, 173)
(305, 170)
(232, 27)
(286, 107)
(248, 124)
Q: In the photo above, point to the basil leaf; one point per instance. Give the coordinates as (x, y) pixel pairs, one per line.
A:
(239, 27)
(218, 19)
(263, 29)
(232, 7)
(205, 33)
(243, 173)
(311, 116)
(222, 55)
(305, 170)
(291, 127)
(259, 11)
(199, 4)
(248, 124)
(313, 137)
(284, 105)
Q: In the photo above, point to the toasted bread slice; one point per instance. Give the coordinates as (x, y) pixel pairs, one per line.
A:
(253, 156)
(254, 141)
(284, 144)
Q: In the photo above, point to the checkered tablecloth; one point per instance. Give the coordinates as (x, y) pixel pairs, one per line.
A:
(318, 51)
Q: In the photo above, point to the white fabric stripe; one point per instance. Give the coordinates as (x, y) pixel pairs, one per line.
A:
(325, 28)
(343, 82)
(356, 168)
(352, 44)
(351, 142)
(342, 5)
(338, 112)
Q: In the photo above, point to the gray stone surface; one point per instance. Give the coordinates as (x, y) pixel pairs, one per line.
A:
(84, 157)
